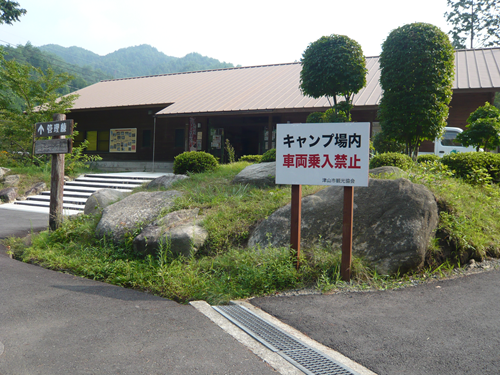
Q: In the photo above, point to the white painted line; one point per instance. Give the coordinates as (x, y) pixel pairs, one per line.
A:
(273, 359)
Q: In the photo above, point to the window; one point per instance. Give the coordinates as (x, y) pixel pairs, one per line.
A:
(449, 139)
(179, 138)
(98, 140)
(146, 138)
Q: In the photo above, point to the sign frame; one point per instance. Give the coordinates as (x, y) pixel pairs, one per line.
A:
(331, 154)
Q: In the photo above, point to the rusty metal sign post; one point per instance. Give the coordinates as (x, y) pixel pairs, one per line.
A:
(57, 146)
(331, 154)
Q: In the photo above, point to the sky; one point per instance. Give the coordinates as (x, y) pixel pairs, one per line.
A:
(246, 33)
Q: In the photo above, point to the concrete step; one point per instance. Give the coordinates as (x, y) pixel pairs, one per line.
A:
(76, 193)
(102, 185)
(77, 207)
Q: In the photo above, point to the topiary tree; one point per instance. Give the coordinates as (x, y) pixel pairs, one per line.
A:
(417, 68)
(382, 143)
(483, 129)
(333, 66)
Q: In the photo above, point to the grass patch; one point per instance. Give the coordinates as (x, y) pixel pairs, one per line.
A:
(225, 269)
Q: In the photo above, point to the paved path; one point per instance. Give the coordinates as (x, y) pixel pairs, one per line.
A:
(53, 323)
(448, 327)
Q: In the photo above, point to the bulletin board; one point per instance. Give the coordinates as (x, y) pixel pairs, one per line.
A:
(123, 140)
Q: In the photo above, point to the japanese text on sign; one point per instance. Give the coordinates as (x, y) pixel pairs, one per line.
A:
(53, 128)
(323, 154)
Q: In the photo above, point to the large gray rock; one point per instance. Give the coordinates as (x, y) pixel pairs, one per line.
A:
(394, 221)
(3, 171)
(11, 180)
(101, 199)
(36, 189)
(128, 215)
(262, 174)
(178, 231)
(8, 195)
(166, 181)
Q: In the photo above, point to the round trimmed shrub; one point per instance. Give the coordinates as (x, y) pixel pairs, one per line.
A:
(251, 158)
(194, 162)
(269, 155)
(427, 157)
(391, 159)
(468, 163)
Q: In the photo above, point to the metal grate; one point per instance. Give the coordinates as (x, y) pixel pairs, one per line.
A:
(307, 359)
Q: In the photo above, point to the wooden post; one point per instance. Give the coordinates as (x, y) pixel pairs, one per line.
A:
(270, 132)
(296, 221)
(345, 267)
(56, 184)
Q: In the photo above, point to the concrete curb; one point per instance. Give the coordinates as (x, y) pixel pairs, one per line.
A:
(274, 360)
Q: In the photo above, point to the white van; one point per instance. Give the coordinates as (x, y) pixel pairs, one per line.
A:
(447, 144)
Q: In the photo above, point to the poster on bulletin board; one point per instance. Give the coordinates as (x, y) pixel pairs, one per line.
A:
(123, 140)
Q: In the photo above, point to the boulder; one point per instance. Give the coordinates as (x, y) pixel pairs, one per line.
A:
(166, 181)
(8, 195)
(179, 231)
(3, 171)
(101, 199)
(11, 180)
(394, 221)
(387, 172)
(36, 189)
(262, 174)
(128, 215)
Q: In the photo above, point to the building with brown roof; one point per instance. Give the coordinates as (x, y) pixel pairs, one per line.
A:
(165, 115)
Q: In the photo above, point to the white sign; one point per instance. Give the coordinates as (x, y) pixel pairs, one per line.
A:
(323, 154)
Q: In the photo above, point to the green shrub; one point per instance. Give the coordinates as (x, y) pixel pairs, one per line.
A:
(392, 159)
(268, 156)
(468, 164)
(251, 158)
(427, 158)
(194, 162)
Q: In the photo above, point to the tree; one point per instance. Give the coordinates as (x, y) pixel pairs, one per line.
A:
(27, 96)
(476, 20)
(10, 12)
(417, 68)
(333, 66)
(483, 129)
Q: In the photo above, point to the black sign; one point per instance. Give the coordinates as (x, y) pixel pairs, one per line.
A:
(53, 146)
(53, 128)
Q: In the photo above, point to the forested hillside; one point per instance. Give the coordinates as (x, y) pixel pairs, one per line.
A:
(135, 61)
(83, 75)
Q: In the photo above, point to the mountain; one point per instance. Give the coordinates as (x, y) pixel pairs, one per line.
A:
(83, 75)
(142, 60)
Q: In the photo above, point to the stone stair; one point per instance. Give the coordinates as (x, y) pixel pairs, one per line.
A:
(77, 192)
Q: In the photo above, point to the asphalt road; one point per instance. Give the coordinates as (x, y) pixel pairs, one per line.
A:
(53, 323)
(447, 327)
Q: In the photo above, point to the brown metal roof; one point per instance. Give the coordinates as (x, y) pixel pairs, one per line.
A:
(262, 88)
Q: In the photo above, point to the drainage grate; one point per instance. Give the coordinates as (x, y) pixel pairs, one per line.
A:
(299, 354)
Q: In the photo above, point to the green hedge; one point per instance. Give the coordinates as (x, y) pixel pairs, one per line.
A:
(194, 162)
(392, 159)
(466, 164)
(251, 158)
(269, 156)
(427, 158)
